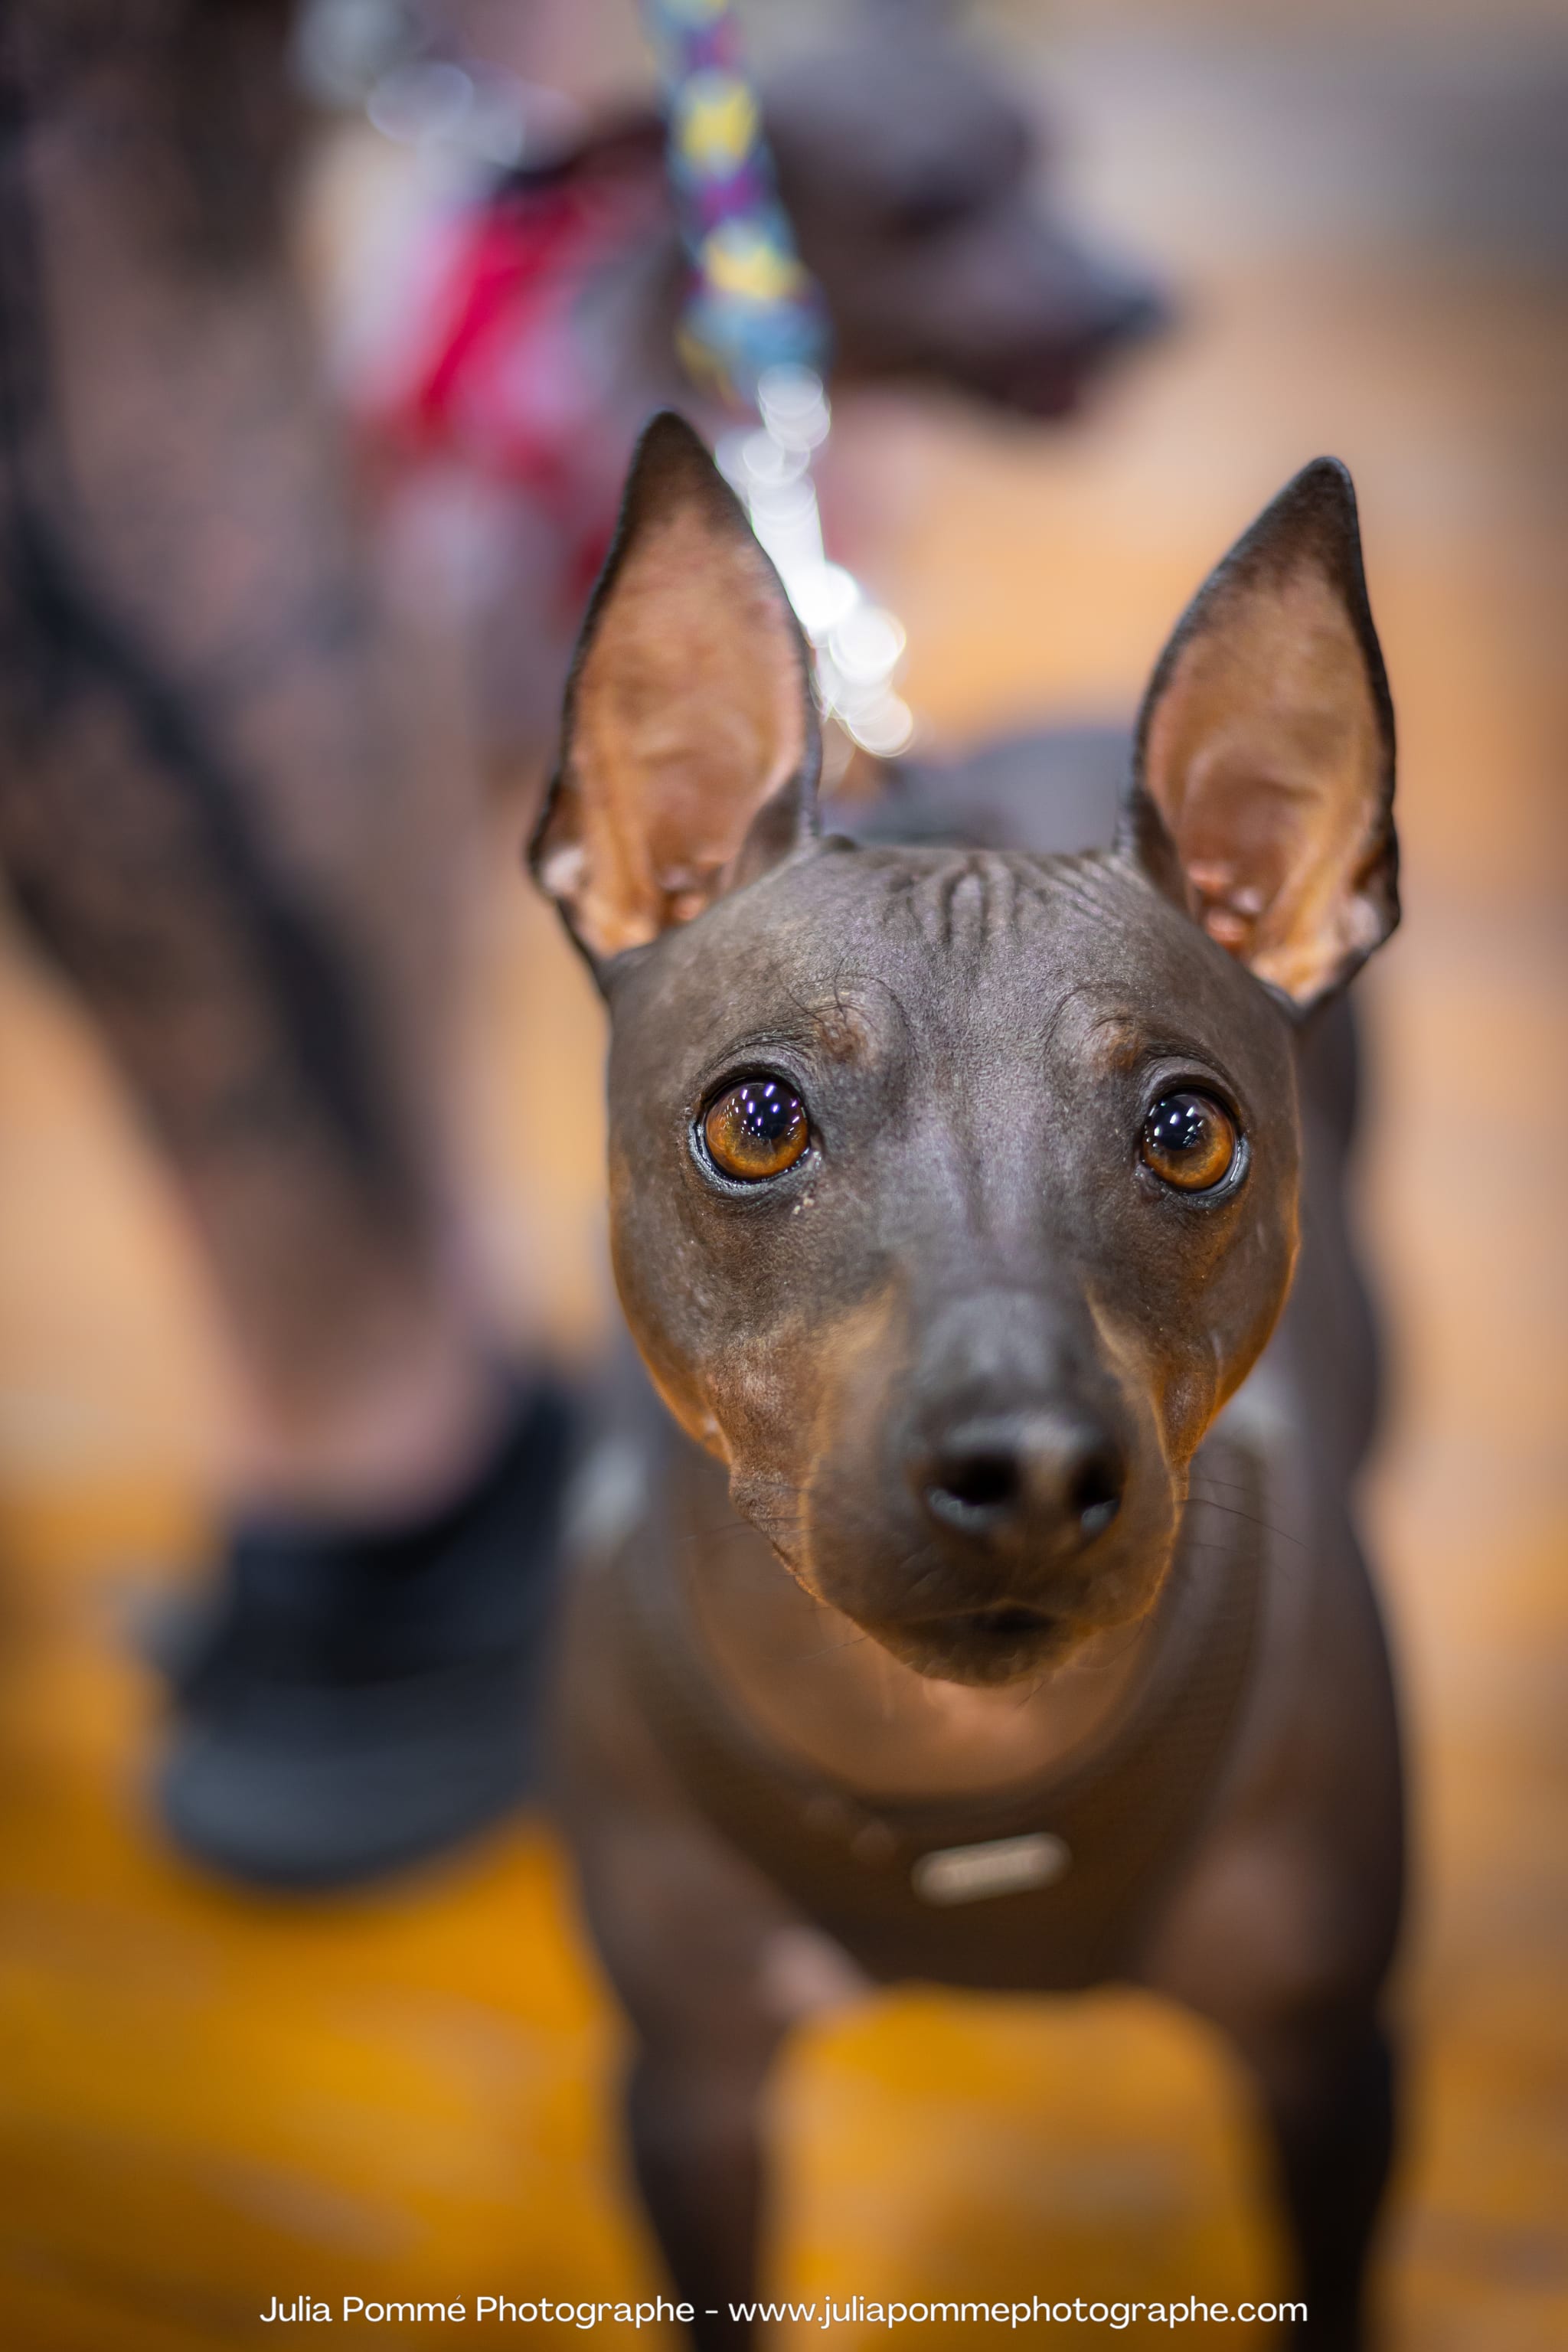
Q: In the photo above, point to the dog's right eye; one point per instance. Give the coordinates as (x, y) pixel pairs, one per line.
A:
(1190, 1141)
(756, 1130)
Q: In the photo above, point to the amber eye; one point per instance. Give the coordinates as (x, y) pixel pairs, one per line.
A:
(757, 1129)
(1191, 1141)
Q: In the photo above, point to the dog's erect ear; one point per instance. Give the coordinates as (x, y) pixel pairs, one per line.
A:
(1263, 779)
(690, 751)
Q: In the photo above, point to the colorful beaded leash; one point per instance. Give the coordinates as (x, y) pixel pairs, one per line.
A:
(754, 330)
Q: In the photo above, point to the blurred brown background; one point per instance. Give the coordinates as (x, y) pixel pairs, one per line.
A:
(206, 2100)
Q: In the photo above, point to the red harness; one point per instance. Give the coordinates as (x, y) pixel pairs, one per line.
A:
(493, 367)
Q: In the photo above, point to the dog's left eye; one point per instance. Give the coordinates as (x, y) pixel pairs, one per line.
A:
(756, 1130)
(1190, 1140)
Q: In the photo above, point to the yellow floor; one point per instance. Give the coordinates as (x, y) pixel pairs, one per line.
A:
(207, 2102)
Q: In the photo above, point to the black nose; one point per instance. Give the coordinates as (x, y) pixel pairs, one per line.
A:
(1029, 1482)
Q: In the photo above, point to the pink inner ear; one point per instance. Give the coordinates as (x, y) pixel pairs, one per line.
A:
(690, 712)
(1265, 759)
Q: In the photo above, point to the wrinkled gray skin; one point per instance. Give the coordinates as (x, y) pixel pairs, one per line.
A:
(973, 1244)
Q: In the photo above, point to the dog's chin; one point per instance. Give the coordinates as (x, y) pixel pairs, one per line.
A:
(984, 1648)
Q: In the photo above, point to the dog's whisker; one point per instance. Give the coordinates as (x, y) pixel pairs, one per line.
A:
(852, 1640)
(1207, 1502)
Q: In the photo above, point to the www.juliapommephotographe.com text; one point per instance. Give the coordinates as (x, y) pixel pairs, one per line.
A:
(826, 2312)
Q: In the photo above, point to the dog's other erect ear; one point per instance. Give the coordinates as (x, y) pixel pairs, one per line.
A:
(690, 749)
(1262, 781)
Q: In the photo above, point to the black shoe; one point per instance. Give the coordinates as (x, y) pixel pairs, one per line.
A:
(356, 1702)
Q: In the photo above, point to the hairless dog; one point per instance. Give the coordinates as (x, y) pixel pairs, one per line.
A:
(989, 1609)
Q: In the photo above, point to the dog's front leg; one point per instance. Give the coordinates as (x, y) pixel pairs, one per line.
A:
(1327, 2086)
(1282, 1940)
(694, 2116)
(712, 1968)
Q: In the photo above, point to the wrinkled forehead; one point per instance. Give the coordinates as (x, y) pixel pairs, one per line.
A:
(942, 954)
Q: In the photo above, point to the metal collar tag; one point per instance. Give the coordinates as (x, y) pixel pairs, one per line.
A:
(968, 1874)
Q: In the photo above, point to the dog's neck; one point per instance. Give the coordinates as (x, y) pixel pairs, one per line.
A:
(820, 1690)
